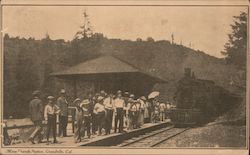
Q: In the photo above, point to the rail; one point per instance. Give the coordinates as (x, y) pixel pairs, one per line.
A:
(144, 137)
(169, 137)
(154, 138)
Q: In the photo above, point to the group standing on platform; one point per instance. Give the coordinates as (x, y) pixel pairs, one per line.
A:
(96, 114)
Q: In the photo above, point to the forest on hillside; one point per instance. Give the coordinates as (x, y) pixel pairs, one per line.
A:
(28, 64)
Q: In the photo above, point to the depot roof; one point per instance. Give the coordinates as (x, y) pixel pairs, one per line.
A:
(103, 65)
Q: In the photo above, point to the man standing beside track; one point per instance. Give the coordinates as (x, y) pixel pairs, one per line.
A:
(79, 120)
(50, 112)
(63, 117)
(109, 107)
(119, 105)
(99, 110)
(36, 111)
(85, 105)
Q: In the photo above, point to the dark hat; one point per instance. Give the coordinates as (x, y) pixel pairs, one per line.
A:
(50, 97)
(36, 92)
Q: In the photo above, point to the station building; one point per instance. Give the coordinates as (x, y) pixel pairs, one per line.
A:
(107, 73)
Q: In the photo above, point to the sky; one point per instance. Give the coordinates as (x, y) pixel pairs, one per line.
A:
(205, 27)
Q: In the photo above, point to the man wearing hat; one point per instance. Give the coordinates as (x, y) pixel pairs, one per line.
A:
(50, 112)
(94, 117)
(119, 105)
(130, 112)
(85, 105)
(162, 109)
(63, 117)
(134, 114)
(141, 100)
(146, 111)
(92, 100)
(125, 98)
(36, 112)
(109, 107)
(103, 93)
(79, 120)
(99, 110)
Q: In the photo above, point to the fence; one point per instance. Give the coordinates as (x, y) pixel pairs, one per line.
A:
(21, 133)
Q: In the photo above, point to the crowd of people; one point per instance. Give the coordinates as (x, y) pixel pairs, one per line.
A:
(96, 114)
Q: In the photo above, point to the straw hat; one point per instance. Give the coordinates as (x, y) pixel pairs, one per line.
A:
(119, 92)
(76, 100)
(50, 97)
(85, 102)
(100, 98)
(143, 98)
(36, 92)
(62, 91)
(131, 95)
(126, 93)
(102, 92)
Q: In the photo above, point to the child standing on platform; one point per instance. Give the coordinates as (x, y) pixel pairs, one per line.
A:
(50, 112)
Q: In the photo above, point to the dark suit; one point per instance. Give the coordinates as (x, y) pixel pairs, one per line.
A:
(86, 119)
(79, 122)
(36, 112)
(93, 116)
(63, 117)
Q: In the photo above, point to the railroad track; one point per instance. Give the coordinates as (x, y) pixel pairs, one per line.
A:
(153, 138)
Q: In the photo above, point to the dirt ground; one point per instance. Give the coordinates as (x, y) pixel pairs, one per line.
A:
(215, 135)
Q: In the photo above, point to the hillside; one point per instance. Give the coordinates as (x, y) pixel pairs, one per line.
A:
(28, 63)
(168, 61)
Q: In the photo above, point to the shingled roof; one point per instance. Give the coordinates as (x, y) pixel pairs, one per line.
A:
(103, 65)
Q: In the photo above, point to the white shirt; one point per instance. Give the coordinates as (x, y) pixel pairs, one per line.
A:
(99, 108)
(119, 103)
(50, 110)
(133, 107)
(162, 107)
(108, 103)
(168, 106)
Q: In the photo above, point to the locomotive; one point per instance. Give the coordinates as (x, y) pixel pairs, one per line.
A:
(199, 101)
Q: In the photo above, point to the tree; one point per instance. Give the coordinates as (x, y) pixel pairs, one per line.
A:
(86, 29)
(26, 77)
(6, 36)
(150, 39)
(236, 47)
(139, 40)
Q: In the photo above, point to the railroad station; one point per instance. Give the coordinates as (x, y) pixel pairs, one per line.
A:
(107, 73)
(124, 77)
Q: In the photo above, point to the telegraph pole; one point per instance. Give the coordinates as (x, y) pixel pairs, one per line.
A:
(172, 37)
